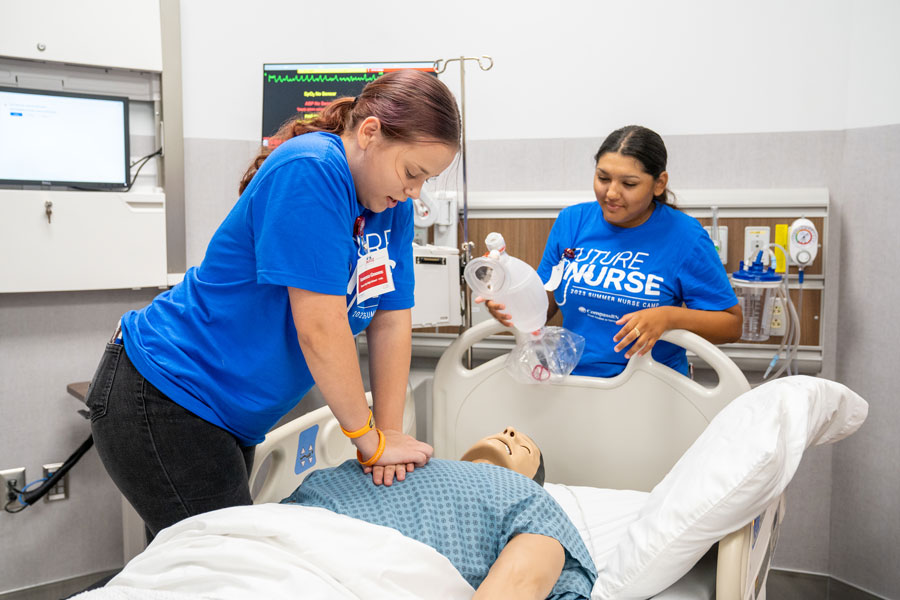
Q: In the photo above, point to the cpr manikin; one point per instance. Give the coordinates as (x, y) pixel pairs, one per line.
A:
(504, 534)
(511, 449)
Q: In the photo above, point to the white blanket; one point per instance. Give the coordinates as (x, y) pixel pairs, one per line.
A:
(277, 551)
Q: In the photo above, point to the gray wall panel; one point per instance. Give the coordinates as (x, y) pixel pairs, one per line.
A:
(215, 168)
(46, 342)
(866, 510)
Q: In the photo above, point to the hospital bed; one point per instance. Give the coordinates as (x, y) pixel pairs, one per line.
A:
(625, 450)
(634, 426)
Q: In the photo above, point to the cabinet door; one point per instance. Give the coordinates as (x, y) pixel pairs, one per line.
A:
(66, 241)
(107, 33)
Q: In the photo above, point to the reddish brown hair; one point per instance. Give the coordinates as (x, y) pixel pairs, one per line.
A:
(412, 106)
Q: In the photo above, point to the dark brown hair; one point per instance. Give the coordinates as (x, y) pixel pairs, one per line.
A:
(412, 106)
(643, 145)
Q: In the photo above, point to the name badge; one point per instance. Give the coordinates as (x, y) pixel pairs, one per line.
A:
(373, 275)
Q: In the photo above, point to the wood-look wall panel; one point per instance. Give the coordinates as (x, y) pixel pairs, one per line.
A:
(525, 238)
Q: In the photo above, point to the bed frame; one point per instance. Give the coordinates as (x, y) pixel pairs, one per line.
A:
(625, 432)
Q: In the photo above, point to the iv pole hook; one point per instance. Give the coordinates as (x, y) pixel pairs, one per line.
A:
(440, 65)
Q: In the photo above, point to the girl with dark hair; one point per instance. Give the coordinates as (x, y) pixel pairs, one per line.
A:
(629, 266)
(317, 249)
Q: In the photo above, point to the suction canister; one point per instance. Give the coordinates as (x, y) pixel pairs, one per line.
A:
(512, 282)
(756, 288)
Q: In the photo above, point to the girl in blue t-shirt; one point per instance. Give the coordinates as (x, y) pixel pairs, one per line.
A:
(317, 249)
(631, 266)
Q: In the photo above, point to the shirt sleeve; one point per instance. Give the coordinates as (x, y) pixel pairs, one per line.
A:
(401, 252)
(302, 226)
(703, 280)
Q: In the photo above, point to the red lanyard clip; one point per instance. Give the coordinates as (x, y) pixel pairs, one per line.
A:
(359, 226)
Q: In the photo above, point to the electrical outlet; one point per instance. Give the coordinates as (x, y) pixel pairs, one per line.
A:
(722, 248)
(777, 307)
(779, 318)
(756, 238)
(13, 477)
(60, 491)
(777, 327)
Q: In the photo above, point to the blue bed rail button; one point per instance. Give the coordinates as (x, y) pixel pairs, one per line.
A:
(306, 449)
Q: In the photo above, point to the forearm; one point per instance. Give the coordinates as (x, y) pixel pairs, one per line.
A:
(552, 307)
(389, 339)
(528, 567)
(330, 351)
(717, 326)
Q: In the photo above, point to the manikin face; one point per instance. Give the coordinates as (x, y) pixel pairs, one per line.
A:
(385, 172)
(624, 190)
(510, 449)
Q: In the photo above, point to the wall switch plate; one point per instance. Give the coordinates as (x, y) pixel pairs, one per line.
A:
(756, 238)
(722, 248)
(14, 476)
(60, 491)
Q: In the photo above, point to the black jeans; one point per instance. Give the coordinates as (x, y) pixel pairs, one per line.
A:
(169, 463)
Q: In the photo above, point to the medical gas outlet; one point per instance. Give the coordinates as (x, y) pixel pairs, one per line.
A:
(756, 240)
(803, 242)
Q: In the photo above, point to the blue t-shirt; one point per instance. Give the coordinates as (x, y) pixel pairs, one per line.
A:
(466, 511)
(668, 260)
(222, 343)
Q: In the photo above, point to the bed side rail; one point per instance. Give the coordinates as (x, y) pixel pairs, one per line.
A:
(745, 556)
(311, 441)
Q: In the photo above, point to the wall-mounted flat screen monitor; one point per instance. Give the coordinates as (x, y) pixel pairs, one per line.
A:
(302, 90)
(63, 138)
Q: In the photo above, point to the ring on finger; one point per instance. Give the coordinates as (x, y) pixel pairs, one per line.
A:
(636, 332)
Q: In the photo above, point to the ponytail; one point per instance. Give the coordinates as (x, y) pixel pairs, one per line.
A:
(411, 105)
(331, 120)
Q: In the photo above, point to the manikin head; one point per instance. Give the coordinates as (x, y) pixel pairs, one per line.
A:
(511, 449)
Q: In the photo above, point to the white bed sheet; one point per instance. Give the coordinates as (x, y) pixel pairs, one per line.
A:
(276, 551)
(601, 516)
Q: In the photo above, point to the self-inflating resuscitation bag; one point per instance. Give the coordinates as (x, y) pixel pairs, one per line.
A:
(548, 353)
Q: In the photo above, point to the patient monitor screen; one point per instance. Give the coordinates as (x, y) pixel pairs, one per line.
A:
(56, 138)
(302, 90)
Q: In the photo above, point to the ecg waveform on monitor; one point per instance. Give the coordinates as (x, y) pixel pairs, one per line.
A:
(322, 78)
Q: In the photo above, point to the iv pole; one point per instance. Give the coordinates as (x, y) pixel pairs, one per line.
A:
(440, 65)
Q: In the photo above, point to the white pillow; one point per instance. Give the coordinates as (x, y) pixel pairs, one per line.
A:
(739, 465)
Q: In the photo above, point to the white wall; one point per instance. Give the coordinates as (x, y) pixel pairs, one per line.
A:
(573, 68)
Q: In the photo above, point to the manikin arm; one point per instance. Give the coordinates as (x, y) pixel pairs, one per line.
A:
(528, 567)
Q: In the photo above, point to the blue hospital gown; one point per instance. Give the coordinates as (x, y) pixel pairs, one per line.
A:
(465, 511)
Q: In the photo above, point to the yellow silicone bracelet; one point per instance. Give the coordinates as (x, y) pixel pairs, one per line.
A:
(369, 426)
(378, 452)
